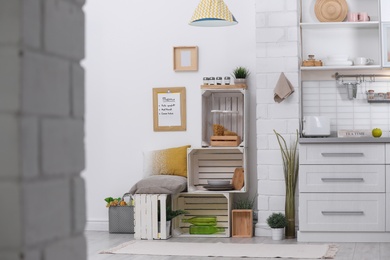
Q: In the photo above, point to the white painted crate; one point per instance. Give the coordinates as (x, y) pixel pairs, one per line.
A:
(146, 216)
(219, 205)
(227, 107)
(214, 164)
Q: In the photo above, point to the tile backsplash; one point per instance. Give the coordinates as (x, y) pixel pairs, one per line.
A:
(329, 98)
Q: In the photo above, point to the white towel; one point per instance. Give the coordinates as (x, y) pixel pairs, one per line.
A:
(283, 89)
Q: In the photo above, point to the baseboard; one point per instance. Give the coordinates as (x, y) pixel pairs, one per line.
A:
(97, 225)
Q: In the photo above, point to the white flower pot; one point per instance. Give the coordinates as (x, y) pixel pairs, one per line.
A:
(277, 233)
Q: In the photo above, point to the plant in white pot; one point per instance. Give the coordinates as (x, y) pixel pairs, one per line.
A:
(170, 214)
(277, 222)
(240, 74)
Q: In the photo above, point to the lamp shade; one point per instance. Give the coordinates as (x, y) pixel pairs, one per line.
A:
(212, 13)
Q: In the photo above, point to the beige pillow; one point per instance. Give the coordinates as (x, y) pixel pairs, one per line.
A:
(171, 161)
(160, 184)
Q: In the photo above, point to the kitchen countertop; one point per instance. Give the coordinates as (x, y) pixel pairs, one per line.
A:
(325, 140)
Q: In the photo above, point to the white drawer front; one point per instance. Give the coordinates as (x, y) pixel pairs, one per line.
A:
(342, 178)
(341, 212)
(342, 153)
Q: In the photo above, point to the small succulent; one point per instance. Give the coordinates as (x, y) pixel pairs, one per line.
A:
(240, 73)
(277, 220)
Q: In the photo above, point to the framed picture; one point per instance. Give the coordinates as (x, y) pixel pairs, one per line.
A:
(169, 109)
(185, 58)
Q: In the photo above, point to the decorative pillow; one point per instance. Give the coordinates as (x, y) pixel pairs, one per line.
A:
(160, 184)
(171, 161)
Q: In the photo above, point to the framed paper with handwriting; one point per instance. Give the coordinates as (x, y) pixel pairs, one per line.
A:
(169, 109)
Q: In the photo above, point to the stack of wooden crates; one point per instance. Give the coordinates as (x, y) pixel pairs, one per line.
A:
(216, 159)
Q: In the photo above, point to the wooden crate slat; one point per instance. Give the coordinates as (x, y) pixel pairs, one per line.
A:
(205, 207)
(204, 200)
(220, 156)
(218, 169)
(230, 163)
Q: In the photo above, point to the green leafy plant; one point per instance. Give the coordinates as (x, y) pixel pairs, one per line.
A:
(245, 203)
(171, 214)
(240, 73)
(277, 220)
(290, 169)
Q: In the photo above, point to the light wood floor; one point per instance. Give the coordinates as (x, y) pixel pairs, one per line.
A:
(98, 241)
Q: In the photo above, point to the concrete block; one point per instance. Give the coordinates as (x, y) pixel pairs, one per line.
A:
(269, 157)
(264, 96)
(262, 172)
(9, 21)
(270, 34)
(276, 172)
(274, 188)
(276, 203)
(261, 20)
(262, 111)
(46, 85)
(292, 34)
(282, 49)
(29, 147)
(269, 6)
(283, 19)
(10, 78)
(262, 202)
(9, 146)
(62, 146)
(66, 249)
(291, 5)
(64, 29)
(47, 211)
(289, 111)
(78, 96)
(262, 141)
(10, 217)
(31, 23)
(261, 50)
(78, 204)
(268, 126)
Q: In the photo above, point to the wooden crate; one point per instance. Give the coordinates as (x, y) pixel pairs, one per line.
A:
(214, 164)
(146, 216)
(242, 223)
(218, 205)
(226, 107)
(225, 140)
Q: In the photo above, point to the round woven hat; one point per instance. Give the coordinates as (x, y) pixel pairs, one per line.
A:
(331, 10)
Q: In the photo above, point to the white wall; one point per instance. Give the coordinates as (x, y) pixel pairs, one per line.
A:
(128, 53)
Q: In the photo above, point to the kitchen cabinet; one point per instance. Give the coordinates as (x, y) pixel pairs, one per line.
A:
(323, 39)
(386, 44)
(344, 192)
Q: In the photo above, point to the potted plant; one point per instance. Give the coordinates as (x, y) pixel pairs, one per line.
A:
(277, 222)
(170, 214)
(290, 169)
(240, 74)
(242, 217)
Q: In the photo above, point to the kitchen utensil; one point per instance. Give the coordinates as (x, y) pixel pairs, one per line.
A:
(238, 179)
(331, 10)
(218, 182)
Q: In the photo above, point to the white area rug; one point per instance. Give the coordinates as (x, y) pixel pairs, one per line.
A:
(145, 247)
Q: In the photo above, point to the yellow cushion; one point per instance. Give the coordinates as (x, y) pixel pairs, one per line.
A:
(171, 161)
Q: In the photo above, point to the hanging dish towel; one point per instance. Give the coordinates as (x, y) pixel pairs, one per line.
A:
(283, 89)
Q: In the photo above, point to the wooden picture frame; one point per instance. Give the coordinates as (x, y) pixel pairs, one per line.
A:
(169, 109)
(185, 58)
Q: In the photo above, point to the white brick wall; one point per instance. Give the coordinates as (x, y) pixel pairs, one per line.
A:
(277, 51)
(327, 98)
(42, 130)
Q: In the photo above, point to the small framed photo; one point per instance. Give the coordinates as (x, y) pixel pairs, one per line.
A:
(185, 58)
(169, 109)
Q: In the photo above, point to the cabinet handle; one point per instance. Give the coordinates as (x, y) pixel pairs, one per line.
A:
(342, 212)
(342, 154)
(342, 179)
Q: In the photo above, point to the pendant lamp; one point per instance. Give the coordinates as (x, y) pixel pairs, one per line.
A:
(212, 13)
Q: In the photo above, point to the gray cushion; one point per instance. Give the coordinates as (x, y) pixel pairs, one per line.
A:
(160, 184)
